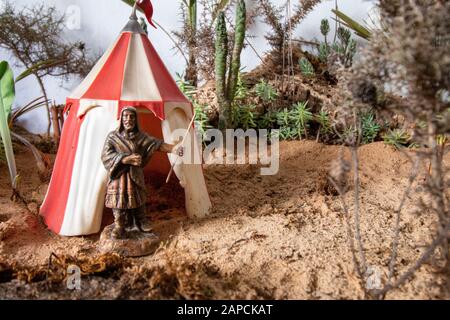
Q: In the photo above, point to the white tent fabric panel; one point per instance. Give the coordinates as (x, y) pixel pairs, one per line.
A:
(198, 203)
(139, 82)
(85, 204)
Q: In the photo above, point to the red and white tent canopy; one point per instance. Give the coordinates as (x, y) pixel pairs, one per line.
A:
(130, 73)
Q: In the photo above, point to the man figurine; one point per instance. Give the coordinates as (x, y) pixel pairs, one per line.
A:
(126, 152)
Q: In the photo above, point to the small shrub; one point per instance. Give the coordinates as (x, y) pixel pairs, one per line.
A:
(244, 116)
(287, 133)
(397, 138)
(301, 116)
(324, 52)
(186, 87)
(325, 28)
(370, 129)
(201, 119)
(241, 89)
(323, 119)
(268, 120)
(265, 91)
(306, 67)
(345, 48)
(283, 118)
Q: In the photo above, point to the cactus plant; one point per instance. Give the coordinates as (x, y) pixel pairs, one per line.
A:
(235, 65)
(221, 69)
(226, 83)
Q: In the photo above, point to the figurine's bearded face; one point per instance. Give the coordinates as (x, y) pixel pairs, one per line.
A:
(129, 121)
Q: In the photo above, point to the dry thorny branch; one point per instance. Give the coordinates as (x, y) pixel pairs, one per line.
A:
(199, 41)
(280, 37)
(408, 59)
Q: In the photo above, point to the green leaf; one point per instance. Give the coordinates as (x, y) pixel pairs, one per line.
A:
(265, 91)
(129, 2)
(6, 100)
(359, 29)
(38, 66)
(7, 87)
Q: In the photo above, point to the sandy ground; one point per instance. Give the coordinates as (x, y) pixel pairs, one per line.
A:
(270, 237)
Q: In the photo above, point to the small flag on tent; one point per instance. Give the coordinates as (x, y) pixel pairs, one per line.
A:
(147, 7)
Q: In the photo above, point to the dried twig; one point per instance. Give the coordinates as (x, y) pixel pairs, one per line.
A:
(355, 161)
(441, 237)
(348, 227)
(396, 231)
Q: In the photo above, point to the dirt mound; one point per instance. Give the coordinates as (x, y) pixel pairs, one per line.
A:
(269, 237)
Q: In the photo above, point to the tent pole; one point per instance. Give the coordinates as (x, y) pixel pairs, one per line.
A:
(182, 143)
(133, 12)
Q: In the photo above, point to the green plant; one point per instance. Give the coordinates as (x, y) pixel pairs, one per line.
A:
(284, 133)
(325, 29)
(186, 87)
(226, 84)
(323, 119)
(324, 52)
(301, 116)
(359, 29)
(244, 116)
(201, 119)
(283, 118)
(345, 48)
(268, 120)
(32, 105)
(265, 91)
(306, 67)
(370, 129)
(241, 89)
(7, 96)
(324, 47)
(287, 133)
(397, 138)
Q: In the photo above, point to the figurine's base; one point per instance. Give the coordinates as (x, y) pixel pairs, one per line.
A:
(137, 244)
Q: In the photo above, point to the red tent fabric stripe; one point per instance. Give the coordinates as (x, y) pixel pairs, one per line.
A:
(166, 85)
(108, 84)
(55, 202)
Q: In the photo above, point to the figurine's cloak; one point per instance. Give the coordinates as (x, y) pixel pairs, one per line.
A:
(126, 185)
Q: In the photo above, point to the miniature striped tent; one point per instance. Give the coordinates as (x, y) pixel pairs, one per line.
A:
(130, 73)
